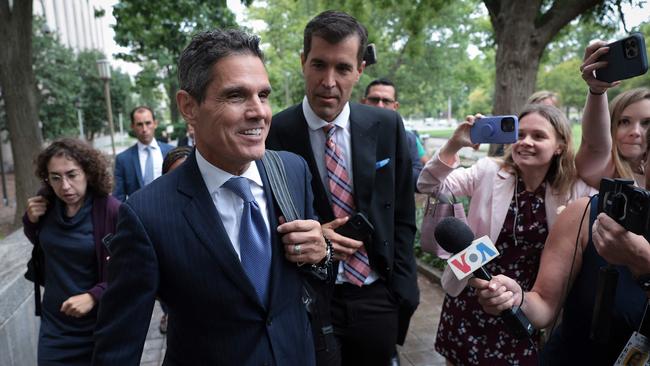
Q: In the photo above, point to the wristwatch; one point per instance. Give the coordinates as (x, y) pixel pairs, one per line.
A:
(644, 281)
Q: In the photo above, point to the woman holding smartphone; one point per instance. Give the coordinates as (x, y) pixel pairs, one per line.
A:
(613, 144)
(581, 243)
(514, 202)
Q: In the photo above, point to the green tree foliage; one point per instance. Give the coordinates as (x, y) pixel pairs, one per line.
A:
(559, 71)
(92, 94)
(421, 47)
(63, 77)
(58, 83)
(157, 31)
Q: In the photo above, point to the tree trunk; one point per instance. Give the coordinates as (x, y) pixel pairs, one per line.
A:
(18, 88)
(522, 32)
(172, 87)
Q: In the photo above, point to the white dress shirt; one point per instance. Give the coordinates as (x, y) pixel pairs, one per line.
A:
(344, 142)
(156, 154)
(229, 205)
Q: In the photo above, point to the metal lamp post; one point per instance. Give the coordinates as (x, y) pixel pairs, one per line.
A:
(77, 105)
(104, 68)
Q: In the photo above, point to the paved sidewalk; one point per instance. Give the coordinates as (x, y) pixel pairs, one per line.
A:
(418, 348)
(417, 351)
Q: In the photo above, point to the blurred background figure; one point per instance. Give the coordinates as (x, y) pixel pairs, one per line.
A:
(382, 93)
(175, 158)
(544, 97)
(68, 219)
(514, 202)
(140, 164)
(188, 139)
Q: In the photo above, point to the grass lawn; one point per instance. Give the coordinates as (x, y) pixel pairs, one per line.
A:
(446, 133)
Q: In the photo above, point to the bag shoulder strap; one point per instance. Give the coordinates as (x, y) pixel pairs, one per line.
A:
(278, 179)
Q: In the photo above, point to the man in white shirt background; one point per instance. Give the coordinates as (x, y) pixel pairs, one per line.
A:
(140, 164)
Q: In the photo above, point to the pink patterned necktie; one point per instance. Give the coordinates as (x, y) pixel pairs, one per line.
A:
(357, 267)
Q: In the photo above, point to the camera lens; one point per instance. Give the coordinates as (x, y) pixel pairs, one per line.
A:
(631, 49)
(508, 124)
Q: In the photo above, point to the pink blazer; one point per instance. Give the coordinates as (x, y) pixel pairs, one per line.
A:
(491, 188)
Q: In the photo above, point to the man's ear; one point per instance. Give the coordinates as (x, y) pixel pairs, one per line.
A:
(360, 69)
(303, 59)
(187, 106)
(396, 105)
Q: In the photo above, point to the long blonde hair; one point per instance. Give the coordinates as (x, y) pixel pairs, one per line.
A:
(562, 173)
(623, 167)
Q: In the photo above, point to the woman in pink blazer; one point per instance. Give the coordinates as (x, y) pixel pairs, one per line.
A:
(514, 200)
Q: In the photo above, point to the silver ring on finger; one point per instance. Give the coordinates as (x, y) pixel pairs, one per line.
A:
(296, 249)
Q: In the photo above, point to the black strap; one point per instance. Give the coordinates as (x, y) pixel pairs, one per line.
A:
(644, 328)
(278, 180)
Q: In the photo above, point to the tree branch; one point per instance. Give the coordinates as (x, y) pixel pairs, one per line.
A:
(560, 14)
(494, 8)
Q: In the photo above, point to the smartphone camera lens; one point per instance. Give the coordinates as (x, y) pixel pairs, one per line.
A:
(631, 49)
(508, 124)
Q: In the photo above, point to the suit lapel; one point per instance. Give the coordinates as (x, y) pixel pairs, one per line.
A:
(204, 220)
(296, 134)
(363, 133)
(135, 157)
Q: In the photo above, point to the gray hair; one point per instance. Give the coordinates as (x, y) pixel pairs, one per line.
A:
(205, 49)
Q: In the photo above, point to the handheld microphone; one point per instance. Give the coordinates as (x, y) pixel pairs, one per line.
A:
(456, 237)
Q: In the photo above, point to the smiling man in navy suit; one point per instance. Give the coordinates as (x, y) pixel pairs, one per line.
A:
(360, 162)
(140, 164)
(206, 238)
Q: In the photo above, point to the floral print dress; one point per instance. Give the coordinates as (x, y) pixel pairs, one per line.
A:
(469, 336)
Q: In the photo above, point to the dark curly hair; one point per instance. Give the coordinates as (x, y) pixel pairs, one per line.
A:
(174, 155)
(92, 161)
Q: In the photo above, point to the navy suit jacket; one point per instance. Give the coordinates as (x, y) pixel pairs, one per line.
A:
(128, 174)
(383, 190)
(185, 257)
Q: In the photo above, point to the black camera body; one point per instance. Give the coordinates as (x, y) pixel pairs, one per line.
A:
(626, 204)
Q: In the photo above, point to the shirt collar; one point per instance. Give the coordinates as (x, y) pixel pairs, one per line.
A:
(215, 177)
(315, 123)
(153, 144)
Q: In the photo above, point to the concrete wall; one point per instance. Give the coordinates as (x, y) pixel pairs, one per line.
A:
(18, 325)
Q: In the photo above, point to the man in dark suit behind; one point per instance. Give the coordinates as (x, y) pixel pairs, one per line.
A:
(140, 164)
(360, 162)
(205, 237)
(188, 138)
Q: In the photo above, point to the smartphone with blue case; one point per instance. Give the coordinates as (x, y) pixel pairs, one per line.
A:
(626, 59)
(495, 130)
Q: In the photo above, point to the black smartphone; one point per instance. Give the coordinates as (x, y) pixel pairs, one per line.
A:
(626, 58)
(495, 130)
(370, 57)
(358, 227)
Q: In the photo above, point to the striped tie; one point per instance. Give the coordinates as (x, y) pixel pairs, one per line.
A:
(357, 267)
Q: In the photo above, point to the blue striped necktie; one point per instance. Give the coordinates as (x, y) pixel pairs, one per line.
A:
(254, 239)
(148, 166)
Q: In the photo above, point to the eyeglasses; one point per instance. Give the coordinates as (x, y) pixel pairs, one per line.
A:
(375, 100)
(56, 180)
